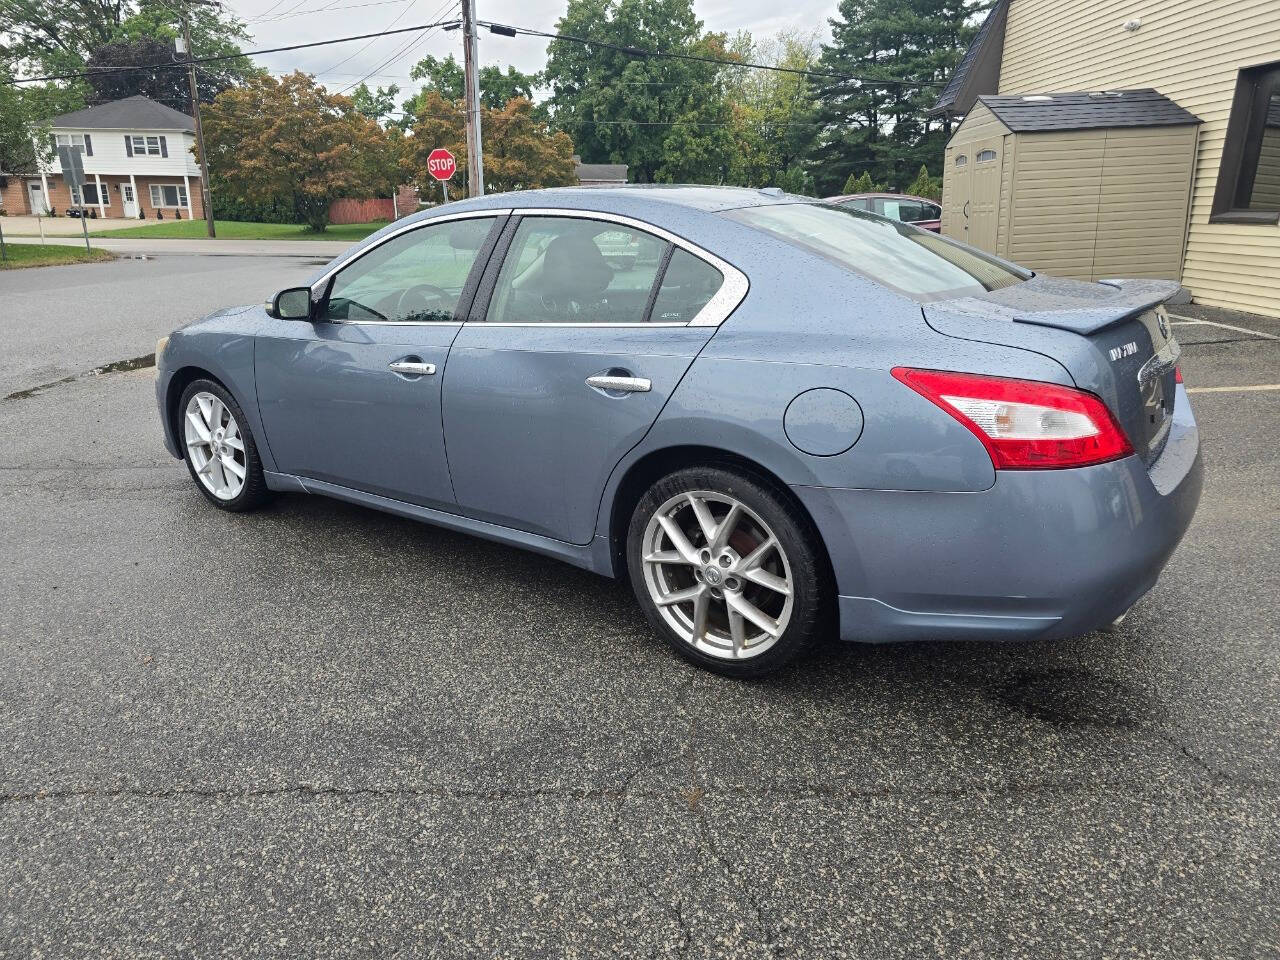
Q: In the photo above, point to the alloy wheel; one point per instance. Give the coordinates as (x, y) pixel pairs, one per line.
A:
(215, 446)
(717, 574)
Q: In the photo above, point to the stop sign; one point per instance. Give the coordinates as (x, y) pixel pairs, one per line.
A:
(440, 164)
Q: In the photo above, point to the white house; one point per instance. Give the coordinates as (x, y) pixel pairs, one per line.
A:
(138, 162)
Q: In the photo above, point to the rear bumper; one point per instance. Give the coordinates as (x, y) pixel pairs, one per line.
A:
(1043, 554)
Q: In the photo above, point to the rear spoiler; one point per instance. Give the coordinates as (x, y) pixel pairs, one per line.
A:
(1082, 308)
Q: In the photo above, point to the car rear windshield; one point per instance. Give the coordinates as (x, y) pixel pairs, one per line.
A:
(912, 261)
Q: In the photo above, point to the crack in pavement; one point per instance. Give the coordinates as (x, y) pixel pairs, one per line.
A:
(116, 366)
(797, 792)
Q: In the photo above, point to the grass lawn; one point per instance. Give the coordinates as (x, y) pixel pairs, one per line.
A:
(35, 255)
(240, 230)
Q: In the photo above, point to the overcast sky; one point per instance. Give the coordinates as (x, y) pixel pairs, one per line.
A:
(389, 59)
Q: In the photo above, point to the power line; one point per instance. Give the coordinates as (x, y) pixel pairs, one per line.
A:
(366, 46)
(412, 44)
(335, 7)
(229, 56)
(502, 29)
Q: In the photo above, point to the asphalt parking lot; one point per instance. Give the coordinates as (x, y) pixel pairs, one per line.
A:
(320, 730)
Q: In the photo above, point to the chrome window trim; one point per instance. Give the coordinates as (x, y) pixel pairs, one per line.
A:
(317, 288)
(397, 323)
(638, 325)
(716, 311)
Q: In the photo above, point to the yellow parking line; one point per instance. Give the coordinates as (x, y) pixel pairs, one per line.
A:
(1260, 386)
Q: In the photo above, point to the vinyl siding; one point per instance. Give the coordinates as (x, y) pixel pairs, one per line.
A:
(1006, 195)
(1055, 191)
(1142, 213)
(979, 123)
(111, 158)
(1191, 51)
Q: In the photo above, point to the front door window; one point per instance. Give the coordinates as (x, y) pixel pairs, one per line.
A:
(416, 277)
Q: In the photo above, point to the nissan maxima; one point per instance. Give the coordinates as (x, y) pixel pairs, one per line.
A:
(779, 419)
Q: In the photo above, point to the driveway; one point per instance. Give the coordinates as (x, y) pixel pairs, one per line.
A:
(320, 730)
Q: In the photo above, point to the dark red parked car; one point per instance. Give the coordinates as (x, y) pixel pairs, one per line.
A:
(896, 206)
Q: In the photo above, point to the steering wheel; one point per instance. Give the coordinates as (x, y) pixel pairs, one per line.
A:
(421, 298)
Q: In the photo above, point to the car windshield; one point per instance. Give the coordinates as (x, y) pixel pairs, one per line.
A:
(915, 262)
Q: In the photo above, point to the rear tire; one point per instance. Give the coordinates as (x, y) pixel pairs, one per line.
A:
(730, 574)
(218, 447)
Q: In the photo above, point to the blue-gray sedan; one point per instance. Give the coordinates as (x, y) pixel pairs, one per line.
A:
(778, 418)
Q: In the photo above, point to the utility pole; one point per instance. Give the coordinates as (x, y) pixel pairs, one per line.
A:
(206, 197)
(471, 75)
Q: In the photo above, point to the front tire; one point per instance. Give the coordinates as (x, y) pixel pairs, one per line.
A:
(728, 572)
(219, 448)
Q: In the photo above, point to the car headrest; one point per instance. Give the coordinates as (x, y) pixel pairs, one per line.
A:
(573, 268)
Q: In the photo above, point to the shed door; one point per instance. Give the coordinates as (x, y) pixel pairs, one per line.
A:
(958, 199)
(985, 162)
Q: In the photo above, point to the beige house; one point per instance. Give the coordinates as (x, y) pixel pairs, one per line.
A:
(1216, 60)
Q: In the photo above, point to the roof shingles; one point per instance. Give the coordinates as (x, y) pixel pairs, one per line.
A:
(1086, 111)
(131, 113)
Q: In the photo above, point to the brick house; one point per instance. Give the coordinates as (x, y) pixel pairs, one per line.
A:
(137, 163)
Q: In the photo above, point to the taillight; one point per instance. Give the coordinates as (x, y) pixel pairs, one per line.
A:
(1177, 374)
(1025, 424)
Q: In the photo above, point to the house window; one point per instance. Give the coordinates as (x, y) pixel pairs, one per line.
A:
(1248, 188)
(69, 139)
(145, 146)
(985, 156)
(87, 196)
(168, 195)
(961, 160)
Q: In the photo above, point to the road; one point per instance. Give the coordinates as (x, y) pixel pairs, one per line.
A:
(320, 730)
(57, 322)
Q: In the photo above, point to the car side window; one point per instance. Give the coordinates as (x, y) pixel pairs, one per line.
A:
(571, 270)
(860, 204)
(413, 278)
(687, 287)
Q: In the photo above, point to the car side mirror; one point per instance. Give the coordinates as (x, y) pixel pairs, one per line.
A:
(292, 304)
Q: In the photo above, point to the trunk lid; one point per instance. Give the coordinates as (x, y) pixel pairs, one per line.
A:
(1113, 337)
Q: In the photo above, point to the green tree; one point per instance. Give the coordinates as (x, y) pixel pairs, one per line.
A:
(446, 77)
(22, 132)
(152, 57)
(906, 50)
(773, 113)
(290, 142)
(862, 183)
(378, 105)
(925, 185)
(46, 37)
(667, 119)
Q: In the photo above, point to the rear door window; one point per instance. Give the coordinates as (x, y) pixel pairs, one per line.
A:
(915, 262)
(687, 287)
(571, 270)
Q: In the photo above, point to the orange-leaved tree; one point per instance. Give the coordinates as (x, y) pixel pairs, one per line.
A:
(520, 153)
(291, 143)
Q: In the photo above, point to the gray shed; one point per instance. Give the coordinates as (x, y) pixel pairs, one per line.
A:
(1085, 185)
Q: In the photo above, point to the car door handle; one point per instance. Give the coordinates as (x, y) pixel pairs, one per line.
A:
(412, 368)
(615, 384)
